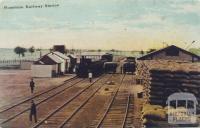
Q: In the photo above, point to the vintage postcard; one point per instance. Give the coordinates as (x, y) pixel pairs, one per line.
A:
(99, 63)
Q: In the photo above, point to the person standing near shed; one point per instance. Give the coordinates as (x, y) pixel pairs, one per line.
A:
(33, 112)
(32, 85)
(90, 76)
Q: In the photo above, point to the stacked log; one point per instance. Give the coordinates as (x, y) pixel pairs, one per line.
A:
(161, 78)
(151, 114)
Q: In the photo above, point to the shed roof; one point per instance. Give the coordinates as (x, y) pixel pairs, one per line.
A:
(49, 59)
(38, 62)
(166, 48)
(55, 58)
(61, 55)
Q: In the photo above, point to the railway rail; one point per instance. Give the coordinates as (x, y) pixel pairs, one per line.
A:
(118, 111)
(115, 113)
(69, 121)
(21, 107)
(57, 118)
(99, 119)
(10, 106)
(128, 118)
(126, 113)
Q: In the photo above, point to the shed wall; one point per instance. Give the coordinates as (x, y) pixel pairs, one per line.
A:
(41, 70)
(26, 65)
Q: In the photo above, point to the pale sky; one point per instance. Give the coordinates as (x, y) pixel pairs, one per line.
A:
(101, 24)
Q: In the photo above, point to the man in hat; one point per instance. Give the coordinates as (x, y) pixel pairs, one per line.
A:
(33, 112)
(32, 85)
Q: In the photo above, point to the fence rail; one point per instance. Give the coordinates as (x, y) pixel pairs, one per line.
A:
(4, 63)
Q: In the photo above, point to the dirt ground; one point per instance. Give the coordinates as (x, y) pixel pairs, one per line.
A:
(89, 115)
(14, 85)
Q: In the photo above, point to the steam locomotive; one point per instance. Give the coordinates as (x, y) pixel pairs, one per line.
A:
(96, 67)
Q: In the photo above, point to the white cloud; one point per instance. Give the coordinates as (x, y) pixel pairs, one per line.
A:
(122, 33)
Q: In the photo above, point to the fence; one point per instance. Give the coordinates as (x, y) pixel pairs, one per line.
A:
(7, 63)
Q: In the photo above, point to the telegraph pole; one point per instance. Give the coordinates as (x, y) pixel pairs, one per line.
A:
(190, 44)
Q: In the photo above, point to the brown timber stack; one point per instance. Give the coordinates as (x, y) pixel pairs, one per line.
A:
(161, 78)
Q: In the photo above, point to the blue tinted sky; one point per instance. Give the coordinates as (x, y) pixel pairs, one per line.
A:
(101, 24)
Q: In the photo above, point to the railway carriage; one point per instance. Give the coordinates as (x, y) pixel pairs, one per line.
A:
(110, 67)
(129, 67)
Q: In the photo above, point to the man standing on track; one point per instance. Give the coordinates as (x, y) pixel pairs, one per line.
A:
(90, 76)
(33, 112)
(32, 85)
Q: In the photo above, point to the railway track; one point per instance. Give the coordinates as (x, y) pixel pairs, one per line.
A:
(10, 106)
(118, 112)
(84, 117)
(137, 112)
(99, 119)
(115, 114)
(16, 110)
(65, 106)
(128, 118)
(62, 114)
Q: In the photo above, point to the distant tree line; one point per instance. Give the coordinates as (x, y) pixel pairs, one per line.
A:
(21, 50)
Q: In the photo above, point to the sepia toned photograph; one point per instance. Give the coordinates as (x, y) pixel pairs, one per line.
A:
(99, 63)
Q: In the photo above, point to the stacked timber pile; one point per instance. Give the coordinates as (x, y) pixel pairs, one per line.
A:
(153, 113)
(161, 78)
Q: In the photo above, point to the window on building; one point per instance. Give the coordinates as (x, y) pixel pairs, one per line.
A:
(172, 52)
